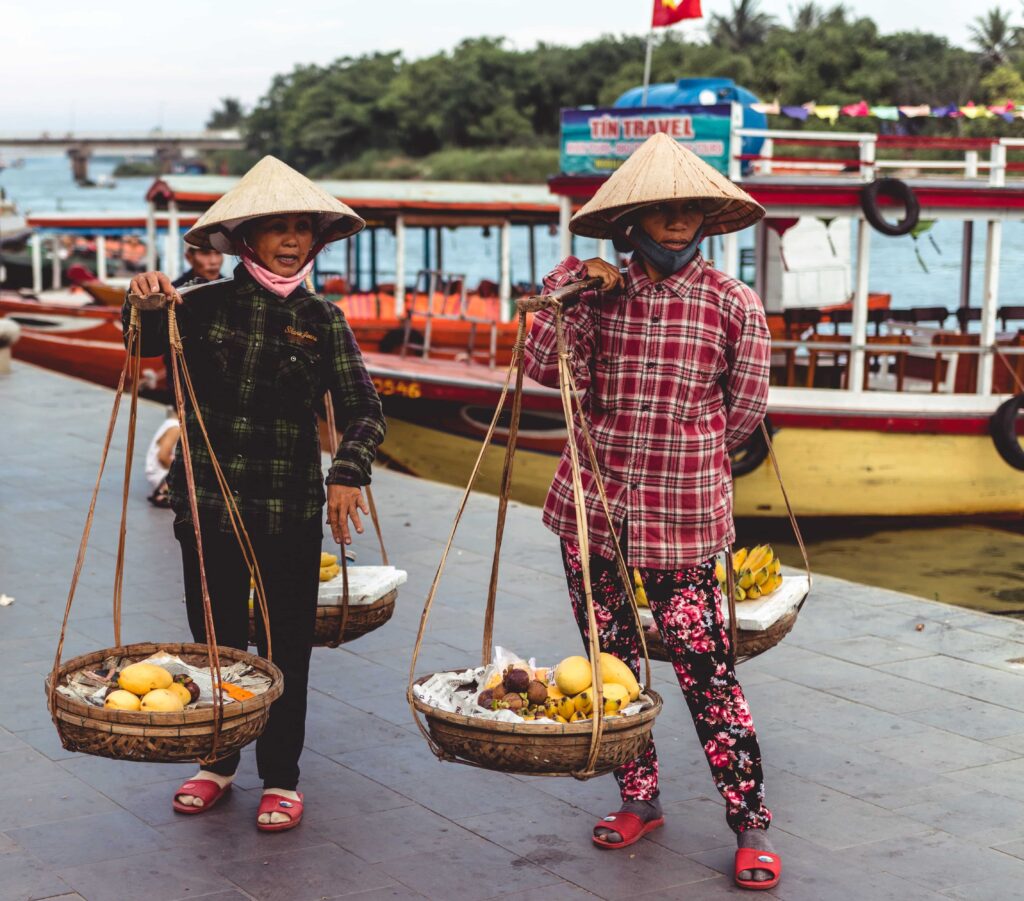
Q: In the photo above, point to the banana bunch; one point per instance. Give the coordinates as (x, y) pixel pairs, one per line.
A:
(757, 572)
(638, 590)
(328, 566)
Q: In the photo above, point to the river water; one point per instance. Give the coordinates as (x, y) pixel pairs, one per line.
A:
(971, 563)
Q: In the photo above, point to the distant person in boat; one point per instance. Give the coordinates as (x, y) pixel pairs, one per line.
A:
(204, 265)
(673, 356)
(262, 351)
(159, 456)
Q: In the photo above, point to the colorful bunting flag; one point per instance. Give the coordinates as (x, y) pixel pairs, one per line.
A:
(856, 109)
(890, 113)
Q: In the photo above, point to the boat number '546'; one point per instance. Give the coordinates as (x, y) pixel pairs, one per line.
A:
(389, 387)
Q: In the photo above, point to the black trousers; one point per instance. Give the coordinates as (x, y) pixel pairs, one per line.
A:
(289, 564)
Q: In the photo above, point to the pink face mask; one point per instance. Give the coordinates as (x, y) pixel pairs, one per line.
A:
(281, 285)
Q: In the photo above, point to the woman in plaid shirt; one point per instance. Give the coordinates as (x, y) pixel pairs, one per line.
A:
(262, 351)
(673, 358)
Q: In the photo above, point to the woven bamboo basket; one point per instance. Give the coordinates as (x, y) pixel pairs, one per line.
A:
(161, 737)
(333, 628)
(539, 749)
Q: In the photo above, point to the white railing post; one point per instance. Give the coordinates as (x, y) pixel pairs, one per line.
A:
(731, 255)
(971, 164)
(735, 141)
(767, 151)
(55, 266)
(867, 159)
(997, 171)
(858, 358)
(101, 257)
(505, 274)
(989, 306)
(151, 236)
(173, 262)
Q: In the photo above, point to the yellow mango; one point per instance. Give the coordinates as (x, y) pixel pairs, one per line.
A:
(573, 675)
(615, 671)
(123, 700)
(142, 678)
(161, 700)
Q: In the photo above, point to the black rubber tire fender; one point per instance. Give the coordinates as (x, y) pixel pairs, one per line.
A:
(898, 190)
(392, 342)
(1003, 429)
(752, 452)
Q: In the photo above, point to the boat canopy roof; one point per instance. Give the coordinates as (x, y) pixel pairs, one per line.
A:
(100, 223)
(420, 203)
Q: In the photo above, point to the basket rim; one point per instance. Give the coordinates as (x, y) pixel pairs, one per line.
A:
(184, 718)
(612, 724)
(385, 600)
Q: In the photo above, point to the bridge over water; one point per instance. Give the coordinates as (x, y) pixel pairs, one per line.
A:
(168, 147)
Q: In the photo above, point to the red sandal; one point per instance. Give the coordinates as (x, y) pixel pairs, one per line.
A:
(628, 825)
(271, 803)
(753, 859)
(206, 789)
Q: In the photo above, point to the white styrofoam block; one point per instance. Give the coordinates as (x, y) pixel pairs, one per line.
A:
(756, 615)
(366, 584)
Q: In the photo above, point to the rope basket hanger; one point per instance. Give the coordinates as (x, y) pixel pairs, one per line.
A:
(582, 750)
(203, 734)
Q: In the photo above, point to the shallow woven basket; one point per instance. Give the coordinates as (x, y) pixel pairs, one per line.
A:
(749, 644)
(161, 737)
(538, 749)
(362, 618)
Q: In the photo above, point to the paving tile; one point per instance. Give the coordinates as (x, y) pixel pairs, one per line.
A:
(25, 878)
(984, 817)
(973, 719)
(962, 677)
(869, 650)
(986, 890)
(56, 798)
(303, 874)
(164, 875)
(938, 861)
(89, 839)
(940, 750)
(1007, 776)
(25, 766)
(388, 893)
(390, 834)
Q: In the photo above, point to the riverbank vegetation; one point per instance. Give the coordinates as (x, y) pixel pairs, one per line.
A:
(485, 111)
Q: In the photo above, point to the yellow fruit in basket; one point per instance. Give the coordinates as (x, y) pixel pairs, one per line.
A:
(614, 670)
(739, 558)
(566, 708)
(739, 593)
(776, 566)
(555, 693)
(754, 593)
(638, 590)
(558, 718)
(122, 700)
(615, 697)
(142, 678)
(720, 571)
(494, 681)
(327, 559)
(584, 701)
(160, 700)
(541, 674)
(329, 572)
(577, 716)
(184, 695)
(573, 675)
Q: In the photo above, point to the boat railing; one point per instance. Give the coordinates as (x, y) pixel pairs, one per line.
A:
(867, 164)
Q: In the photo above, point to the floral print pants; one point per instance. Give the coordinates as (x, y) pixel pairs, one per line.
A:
(686, 604)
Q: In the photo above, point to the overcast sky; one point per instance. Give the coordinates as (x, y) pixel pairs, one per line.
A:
(67, 64)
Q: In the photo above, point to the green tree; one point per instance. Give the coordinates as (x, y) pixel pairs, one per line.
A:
(1003, 84)
(230, 114)
(745, 26)
(994, 36)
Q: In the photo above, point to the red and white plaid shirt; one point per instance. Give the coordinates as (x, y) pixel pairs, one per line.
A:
(675, 374)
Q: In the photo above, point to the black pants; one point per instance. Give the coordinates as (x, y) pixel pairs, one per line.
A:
(289, 564)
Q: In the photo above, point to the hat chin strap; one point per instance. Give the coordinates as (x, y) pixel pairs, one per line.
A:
(661, 258)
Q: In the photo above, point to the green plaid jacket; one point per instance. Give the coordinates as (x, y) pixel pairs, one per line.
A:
(260, 365)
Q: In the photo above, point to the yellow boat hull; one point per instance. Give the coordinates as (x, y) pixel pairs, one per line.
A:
(828, 472)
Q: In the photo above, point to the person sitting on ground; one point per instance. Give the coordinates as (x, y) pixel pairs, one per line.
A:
(159, 457)
(674, 359)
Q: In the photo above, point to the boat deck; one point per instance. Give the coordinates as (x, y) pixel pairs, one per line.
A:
(891, 726)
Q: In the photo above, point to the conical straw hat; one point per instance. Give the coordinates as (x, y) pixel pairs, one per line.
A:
(272, 188)
(661, 169)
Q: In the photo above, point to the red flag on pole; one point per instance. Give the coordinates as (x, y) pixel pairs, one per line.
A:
(668, 12)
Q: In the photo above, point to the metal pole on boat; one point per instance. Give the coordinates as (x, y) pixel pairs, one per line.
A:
(55, 261)
(533, 258)
(173, 240)
(860, 307)
(101, 257)
(564, 235)
(505, 274)
(989, 306)
(990, 296)
(967, 252)
(37, 262)
(399, 266)
(439, 249)
(602, 248)
(151, 236)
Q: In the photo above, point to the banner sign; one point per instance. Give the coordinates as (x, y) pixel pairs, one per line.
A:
(598, 141)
